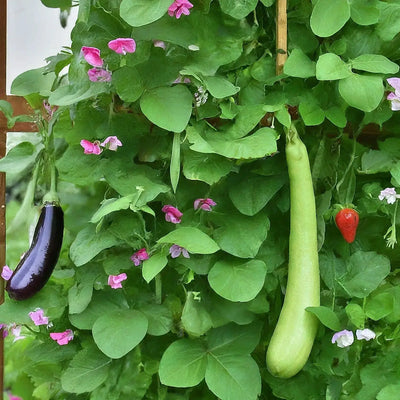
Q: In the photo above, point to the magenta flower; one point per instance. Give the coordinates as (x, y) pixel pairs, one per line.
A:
(139, 256)
(38, 317)
(176, 251)
(122, 45)
(179, 7)
(92, 56)
(115, 280)
(172, 214)
(99, 75)
(12, 397)
(111, 143)
(62, 338)
(6, 273)
(204, 204)
(343, 338)
(91, 148)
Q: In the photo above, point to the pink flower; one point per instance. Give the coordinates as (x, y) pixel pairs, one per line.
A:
(394, 97)
(6, 273)
(172, 214)
(115, 280)
(181, 79)
(111, 143)
(92, 56)
(139, 256)
(159, 43)
(12, 397)
(122, 45)
(179, 7)
(62, 337)
(204, 204)
(176, 251)
(99, 75)
(16, 332)
(91, 148)
(38, 317)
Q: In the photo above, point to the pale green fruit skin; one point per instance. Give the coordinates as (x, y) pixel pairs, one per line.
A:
(294, 334)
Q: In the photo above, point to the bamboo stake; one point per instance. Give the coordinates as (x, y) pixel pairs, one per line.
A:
(281, 35)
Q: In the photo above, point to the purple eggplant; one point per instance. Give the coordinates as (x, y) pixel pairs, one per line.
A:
(38, 263)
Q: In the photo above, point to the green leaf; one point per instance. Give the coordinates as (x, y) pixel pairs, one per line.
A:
(192, 239)
(326, 316)
(183, 364)
(257, 145)
(6, 108)
(299, 65)
(364, 12)
(128, 83)
(362, 91)
(331, 67)
(209, 168)
(365, 271)
(376, 63)
(20, 157)
(109, 329)
(71, 94)
(236, 280)
(143, 12)
(169, 108)
(311, 112)
(88, 244)
(33, 81)
(159, 318)
(195, 319)
(379, 306)
(220, 87)
(238, 8)
(111, 205)
(240, 235)
(329, 17)
(356, 314)
(87, 370)
(389, 392)
(234, 339)
(252, 194)
(389, 22)
(233, 376)
(103, 302)
(153, 266)
(175, 165)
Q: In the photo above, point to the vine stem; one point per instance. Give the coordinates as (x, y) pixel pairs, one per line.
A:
(158, 283)
(281, 35)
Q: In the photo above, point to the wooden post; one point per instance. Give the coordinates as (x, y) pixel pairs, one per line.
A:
(3, 135)
(281, 35)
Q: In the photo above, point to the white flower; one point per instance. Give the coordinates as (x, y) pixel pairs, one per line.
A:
(388, 194)
(365, 334)
(343, 338)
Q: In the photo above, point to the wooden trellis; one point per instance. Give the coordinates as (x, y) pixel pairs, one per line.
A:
(20, 107)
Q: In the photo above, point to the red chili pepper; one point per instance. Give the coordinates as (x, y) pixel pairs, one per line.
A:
(347, 222)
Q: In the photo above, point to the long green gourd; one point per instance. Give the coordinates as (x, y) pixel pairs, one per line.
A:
(294, 334)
